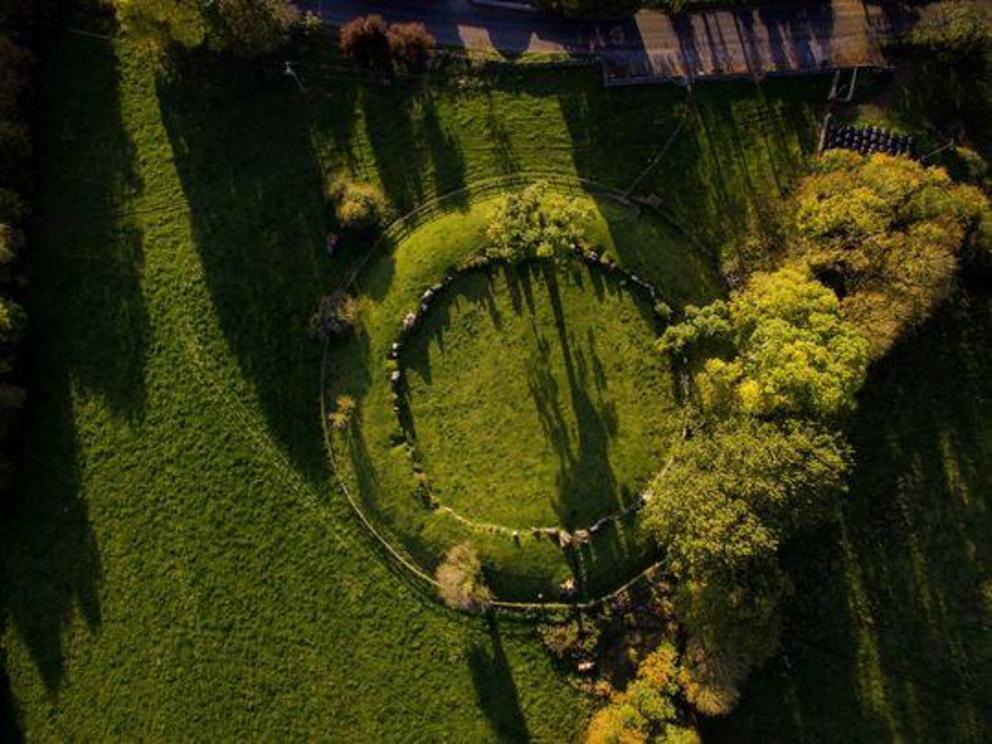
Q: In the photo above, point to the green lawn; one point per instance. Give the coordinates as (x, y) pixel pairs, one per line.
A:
(500, 415)
(538, 398)
(180, 565)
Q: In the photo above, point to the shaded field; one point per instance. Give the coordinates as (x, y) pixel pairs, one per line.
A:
(888, 635)
(178, 563)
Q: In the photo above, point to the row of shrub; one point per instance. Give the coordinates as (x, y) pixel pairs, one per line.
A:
(371, 42)
(242, 28)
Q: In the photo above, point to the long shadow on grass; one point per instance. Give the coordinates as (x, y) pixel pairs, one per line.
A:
(495, 689)
(10, 729)
(97, 284)
(51, 561)
(887, 636)
(253, 184)
(408, 140)
(88, 338)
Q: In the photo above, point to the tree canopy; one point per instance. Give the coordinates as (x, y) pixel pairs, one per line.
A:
(731, 495)
(534, 223)
(885, 232)
(244, 28)
(795, 353)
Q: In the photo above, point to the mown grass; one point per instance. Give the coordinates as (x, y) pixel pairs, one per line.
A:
(557, 480)
(178, 564)
(537, 396)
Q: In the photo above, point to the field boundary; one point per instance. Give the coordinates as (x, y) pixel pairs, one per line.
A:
(395, 232)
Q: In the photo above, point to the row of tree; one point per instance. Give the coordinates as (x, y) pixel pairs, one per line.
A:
(873, 246)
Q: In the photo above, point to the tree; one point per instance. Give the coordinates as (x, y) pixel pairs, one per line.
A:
(885, 233)
(160, 24)
(795, 353)
(731, 496)
(712, 681)
(365, 41)
(460, 580)
(13, 77)
(534, 223)
(645, 711)
(410, 44)
(703, 330)
(11, 243)
(248, 28)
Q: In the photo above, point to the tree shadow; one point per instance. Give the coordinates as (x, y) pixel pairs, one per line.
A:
(584, 470)
(10, 728)
(51, 560)
(446, 156)
(254, 187)
(89, 332)
(887, 634)
(495, 690)
(85, 204)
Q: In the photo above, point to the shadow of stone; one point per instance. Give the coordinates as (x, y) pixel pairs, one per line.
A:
(495, 689)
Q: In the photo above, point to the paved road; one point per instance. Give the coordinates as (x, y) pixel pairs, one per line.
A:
(810, 36)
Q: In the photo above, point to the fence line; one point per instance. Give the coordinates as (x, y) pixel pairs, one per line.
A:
(396, 231)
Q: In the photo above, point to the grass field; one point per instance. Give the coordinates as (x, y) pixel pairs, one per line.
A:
(179, 564)
(523, 427)
(526, 466)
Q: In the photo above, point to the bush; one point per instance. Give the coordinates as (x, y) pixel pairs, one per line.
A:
(365, 41)
(534, 223)
(248, 28)
(340, 419)
(663, 311)
(15, 143)
(357, 206)
(13, 208)
(13, 77)
(460, 581)
(337, 315)
(575, 639)
(704, 331)
(410, 44)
